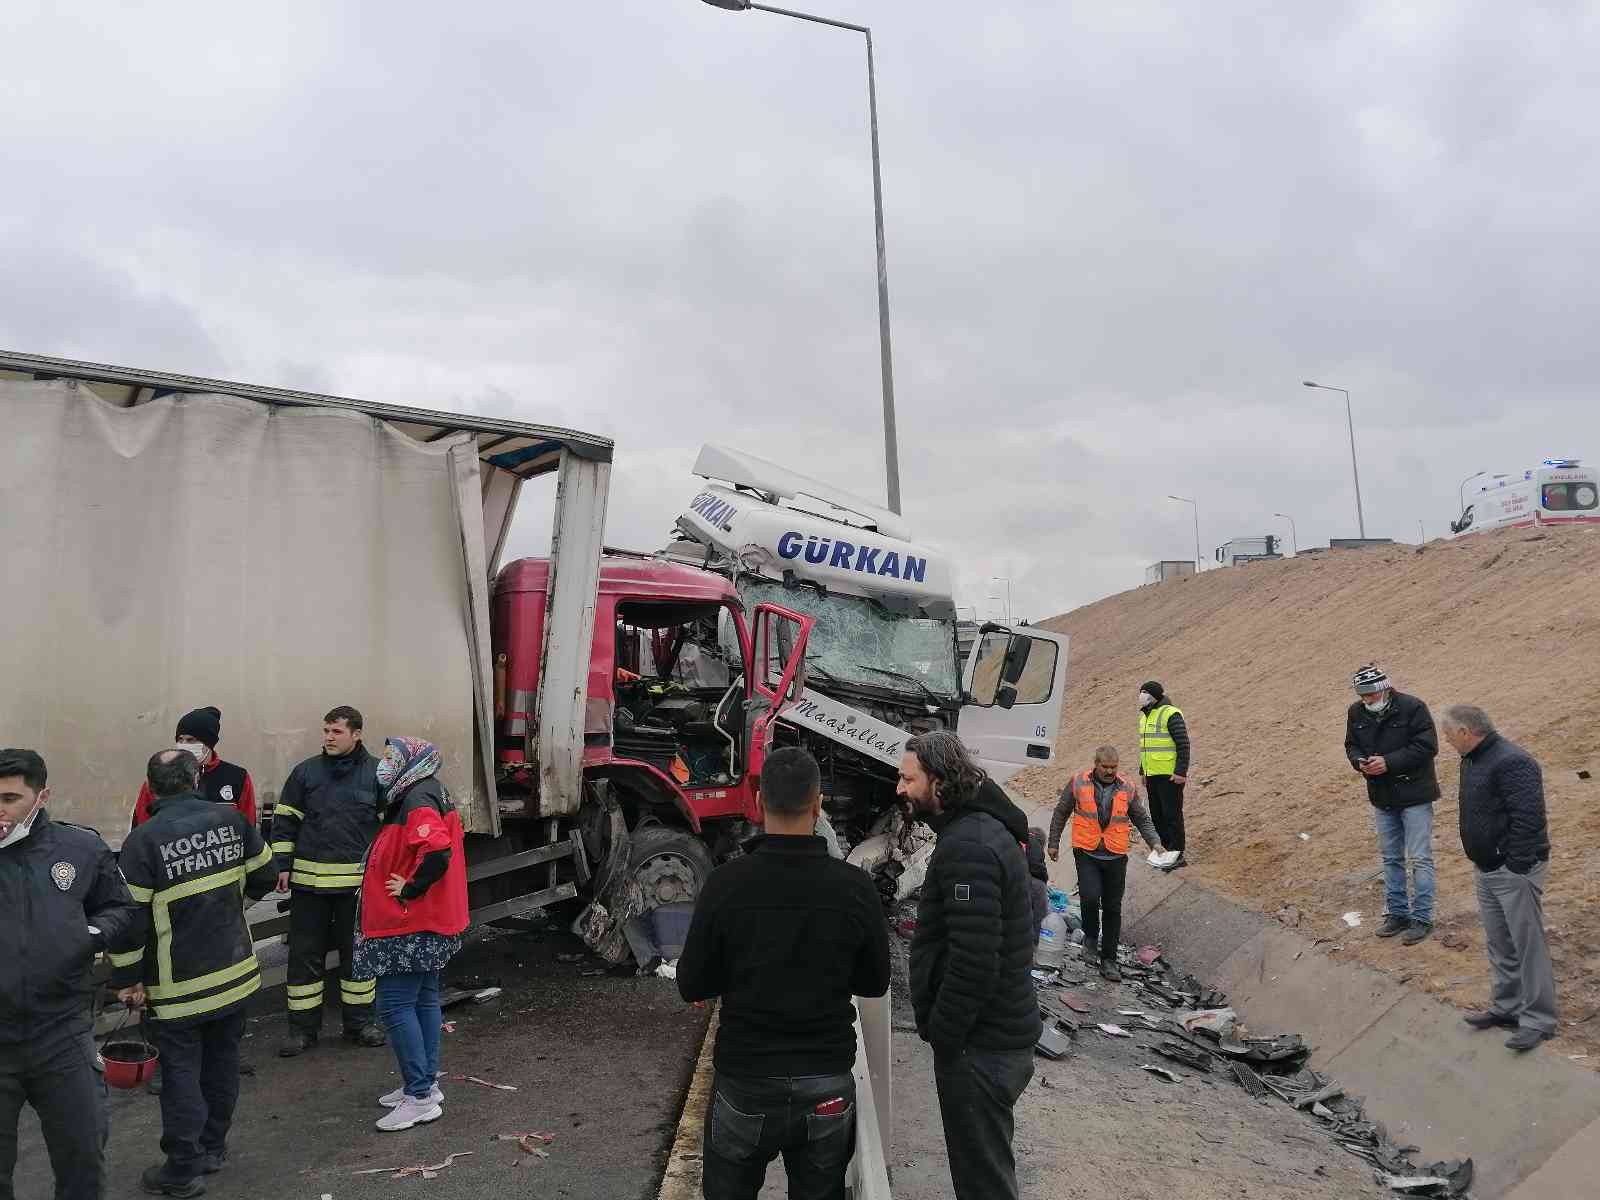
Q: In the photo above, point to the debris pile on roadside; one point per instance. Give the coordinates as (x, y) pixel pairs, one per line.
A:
(1199, 1031)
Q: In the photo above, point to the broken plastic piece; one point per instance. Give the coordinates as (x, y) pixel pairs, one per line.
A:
(1147, 955)
(1190, 1056)
(667, 970)
(1352, 919)
(499, 1087)
(1055, 1041)
(1114, 1030)
(1169, 1076)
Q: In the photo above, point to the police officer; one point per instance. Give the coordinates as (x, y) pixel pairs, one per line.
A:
(189, 867)
(327, 816)
(61, 902)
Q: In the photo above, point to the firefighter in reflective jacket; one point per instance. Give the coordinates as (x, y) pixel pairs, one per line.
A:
(327, 816)
(189, 868)
(1104, 808)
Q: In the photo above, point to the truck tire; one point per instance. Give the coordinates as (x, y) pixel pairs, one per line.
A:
(670, 865)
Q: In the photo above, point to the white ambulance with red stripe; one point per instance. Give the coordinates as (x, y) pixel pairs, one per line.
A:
(1559, 491)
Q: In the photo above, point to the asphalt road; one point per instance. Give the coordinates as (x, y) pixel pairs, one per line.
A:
(600, 1061)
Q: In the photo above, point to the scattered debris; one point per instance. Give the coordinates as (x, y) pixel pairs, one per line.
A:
(1147, 955)
(1130, 1012)
(425, 1170)
(1249, 1080)
(499, 1087)
(1305, 837)
(1188, 1055)
(529, 1143)
(1290, 916)
(1114, 1030)
(1282, 1050)
(1169, 1076)
(448, 1026)
(1352, 919)
(1075, 1003)
(1217, 1023)
(1055, 1041)
(668, 970)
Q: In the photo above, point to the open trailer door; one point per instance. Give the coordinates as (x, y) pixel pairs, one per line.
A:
(1014, 682)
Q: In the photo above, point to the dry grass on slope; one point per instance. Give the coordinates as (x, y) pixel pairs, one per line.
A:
(1259, 657)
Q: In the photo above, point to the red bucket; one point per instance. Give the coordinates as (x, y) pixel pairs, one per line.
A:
(129, 1061)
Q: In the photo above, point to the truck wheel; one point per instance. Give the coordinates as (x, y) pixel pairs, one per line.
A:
(670, 865)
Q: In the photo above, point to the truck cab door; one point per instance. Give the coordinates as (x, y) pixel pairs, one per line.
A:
(775, 675)
(1013, 686)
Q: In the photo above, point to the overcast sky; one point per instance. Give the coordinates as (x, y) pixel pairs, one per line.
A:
(1119, 237)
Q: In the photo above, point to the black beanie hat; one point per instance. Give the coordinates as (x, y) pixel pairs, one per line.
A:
(203, 724)
(1155, 689)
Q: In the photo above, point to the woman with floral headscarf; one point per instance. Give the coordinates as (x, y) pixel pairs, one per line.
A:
(413, 909)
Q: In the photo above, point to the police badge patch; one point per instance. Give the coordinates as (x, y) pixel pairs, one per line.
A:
(64, 873)
(227, 791)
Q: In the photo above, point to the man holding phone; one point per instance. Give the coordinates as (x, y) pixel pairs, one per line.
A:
(1390, 739)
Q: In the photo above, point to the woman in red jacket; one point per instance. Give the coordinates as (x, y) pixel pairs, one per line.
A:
(413, 910)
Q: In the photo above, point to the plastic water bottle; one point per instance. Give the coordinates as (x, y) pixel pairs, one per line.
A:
(1053, 935)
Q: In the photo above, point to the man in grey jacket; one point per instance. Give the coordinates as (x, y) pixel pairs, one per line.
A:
(1504, 833)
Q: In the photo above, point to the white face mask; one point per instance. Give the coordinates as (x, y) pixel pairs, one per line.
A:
(1376, 708)
(388, 770)
(23, 827)
(202, 754)
(1146, 699)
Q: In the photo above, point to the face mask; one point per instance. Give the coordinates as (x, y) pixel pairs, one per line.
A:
(23, 827)
(388, 770)
(202, 755)
(1146, 699)
(1375, 708)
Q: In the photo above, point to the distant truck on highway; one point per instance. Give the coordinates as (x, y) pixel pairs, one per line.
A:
(1248, 549)
(1559, 491)
(278, 552)
(883, 662)
(1168, 568)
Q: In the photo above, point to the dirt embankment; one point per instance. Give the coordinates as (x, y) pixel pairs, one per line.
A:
(1259, 657)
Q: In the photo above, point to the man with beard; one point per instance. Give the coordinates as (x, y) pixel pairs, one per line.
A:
(970, 960)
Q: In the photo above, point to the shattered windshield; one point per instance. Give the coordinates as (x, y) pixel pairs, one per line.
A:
(856, 641)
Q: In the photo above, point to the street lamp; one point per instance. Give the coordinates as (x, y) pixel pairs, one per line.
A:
(1007, 582)
(891, 445)
(1186, 500)
(1294, 538)
(1361, 520)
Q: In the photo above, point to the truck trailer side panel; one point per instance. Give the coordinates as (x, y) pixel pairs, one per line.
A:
(210, 549)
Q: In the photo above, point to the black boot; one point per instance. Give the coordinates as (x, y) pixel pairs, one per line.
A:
(157, 1182)
(298, 1042)
(370, 1034)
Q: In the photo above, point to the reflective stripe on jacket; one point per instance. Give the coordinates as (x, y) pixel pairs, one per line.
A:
(1088, 834)
(189, 868)
(1158, 751)
(325, 820)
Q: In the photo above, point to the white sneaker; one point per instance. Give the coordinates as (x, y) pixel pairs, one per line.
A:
(410, 1112)
(393, 1099)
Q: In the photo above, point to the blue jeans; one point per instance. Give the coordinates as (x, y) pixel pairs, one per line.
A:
(408, 1005)
(1406, 835)
(754, 1119)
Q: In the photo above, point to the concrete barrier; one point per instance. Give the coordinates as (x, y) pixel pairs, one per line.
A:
(1529, 1122)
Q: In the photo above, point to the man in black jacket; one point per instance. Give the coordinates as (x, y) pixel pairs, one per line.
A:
(1504, 833)
(62, 901)
(786, 935)
(189, 868)
(970, 960)
(326, 818)
(1389, 738)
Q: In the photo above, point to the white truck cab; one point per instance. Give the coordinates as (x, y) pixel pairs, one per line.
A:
(882, 662)
(1559, 491)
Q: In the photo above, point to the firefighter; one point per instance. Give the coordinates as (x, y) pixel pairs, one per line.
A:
(62, 902)
(224, 782)
(327, 816)
(189, 868)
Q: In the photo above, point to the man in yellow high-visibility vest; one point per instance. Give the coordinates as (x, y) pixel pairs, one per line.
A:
(1164, 765)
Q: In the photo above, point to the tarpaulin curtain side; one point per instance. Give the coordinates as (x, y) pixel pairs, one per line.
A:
(199, 550)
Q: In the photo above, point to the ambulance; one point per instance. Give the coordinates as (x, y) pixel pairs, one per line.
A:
(1559, 491)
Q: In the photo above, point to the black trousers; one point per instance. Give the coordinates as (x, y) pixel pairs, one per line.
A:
(320, 922)
(978, 1091)
(1101, 882)
(57, 1074)
(1166, 810)
(199, 1088)
(753, 1119)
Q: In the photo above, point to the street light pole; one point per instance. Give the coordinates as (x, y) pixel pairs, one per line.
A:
(1186, 500)
(891, 440)
(1294, 537)
(1361, 519)
(1003, 579)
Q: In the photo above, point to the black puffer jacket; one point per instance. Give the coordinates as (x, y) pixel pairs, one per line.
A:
(1404, 735)
(974, 944)
(55, 885)
(327, 816)
(1502, 807)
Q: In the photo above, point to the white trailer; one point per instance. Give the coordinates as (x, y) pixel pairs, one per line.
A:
(1248, 549)
(1168, 568)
